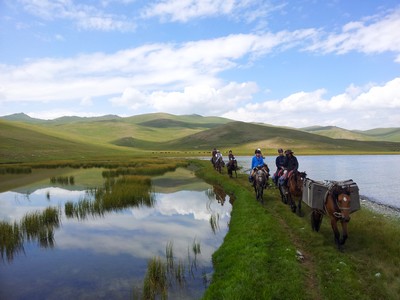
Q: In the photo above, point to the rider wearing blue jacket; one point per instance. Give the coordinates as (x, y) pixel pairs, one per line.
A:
(257, 161)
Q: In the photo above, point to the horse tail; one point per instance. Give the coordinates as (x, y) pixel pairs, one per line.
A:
(316, 220)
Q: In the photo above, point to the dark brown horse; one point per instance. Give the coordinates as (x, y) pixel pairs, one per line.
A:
(337, 206)
(292, 190)
(232, 167)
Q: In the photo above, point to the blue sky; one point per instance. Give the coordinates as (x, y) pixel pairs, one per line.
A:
(286, 63)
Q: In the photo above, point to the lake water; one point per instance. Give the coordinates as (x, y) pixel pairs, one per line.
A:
(105, 256)
(377, 176)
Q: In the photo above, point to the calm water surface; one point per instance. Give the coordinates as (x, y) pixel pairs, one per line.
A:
(105, 257)
(377, 176)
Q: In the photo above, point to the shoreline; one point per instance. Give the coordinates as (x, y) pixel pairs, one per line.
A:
(385, 210)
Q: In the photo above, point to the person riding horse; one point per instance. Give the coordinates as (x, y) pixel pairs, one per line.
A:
(213, 153)
(279, 162)
(256, 162)
(232, 164)
(290, 165)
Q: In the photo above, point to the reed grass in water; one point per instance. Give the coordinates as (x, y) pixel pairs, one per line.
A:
(116, 194)
(37, 226)
(168, 272)
(155, 281)
(11, 240)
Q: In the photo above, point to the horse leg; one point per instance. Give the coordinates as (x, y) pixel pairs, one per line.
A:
(336, 232)
(299, 211)
(261, 189)
(316, 220)
(344, 232)
(283, 198)
(292, 203)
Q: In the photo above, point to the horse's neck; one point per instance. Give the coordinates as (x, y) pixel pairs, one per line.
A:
(331, 202)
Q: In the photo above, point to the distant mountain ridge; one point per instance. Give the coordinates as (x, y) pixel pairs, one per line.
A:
(23, 138)
(164, 120)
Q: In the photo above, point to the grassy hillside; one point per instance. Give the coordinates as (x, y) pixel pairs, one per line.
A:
(27, 142)
(244, 137)
(378, 134)
(165, 134)
(388, 134)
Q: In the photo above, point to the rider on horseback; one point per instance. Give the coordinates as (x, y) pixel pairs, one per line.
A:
(231, 163)
(290, 165)
(256, 162)
(279, 162)
(213, 153)
(218, 158)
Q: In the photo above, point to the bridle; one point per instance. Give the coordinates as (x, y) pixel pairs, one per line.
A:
(339, 209)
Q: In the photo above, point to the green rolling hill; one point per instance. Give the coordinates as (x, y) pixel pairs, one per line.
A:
(26, 139)
(378, 134)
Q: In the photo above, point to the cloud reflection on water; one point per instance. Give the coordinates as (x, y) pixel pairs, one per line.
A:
(143, 231)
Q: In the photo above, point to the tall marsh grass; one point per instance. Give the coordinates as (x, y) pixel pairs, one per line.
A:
(40, 226)
(116, 194)
(155, 281)
(37, 226)
(11, 240)
(163, 274)
(64, 180)
(140, 169)
(15, 170)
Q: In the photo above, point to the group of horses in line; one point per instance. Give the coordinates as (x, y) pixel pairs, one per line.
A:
(336, 201)
(219, 163)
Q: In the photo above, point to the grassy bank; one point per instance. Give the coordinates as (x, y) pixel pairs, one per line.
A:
(259, 258)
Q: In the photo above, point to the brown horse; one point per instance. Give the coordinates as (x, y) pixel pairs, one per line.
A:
(293, 189)
(232, 167)
(337, 206)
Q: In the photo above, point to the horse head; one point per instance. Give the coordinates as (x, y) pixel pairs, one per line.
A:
(261, 175)
(296, 180)
(341, 195)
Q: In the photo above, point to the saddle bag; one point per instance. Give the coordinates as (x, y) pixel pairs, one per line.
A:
(315, 192)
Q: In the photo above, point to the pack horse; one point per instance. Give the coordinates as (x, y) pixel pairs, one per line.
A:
(335, 199)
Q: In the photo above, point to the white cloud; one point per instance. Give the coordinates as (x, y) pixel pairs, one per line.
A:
(201, 99)
(379, 106)
(85, 16)
(147, 68)
(184, 10)
(375, 35)
(187, 10)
